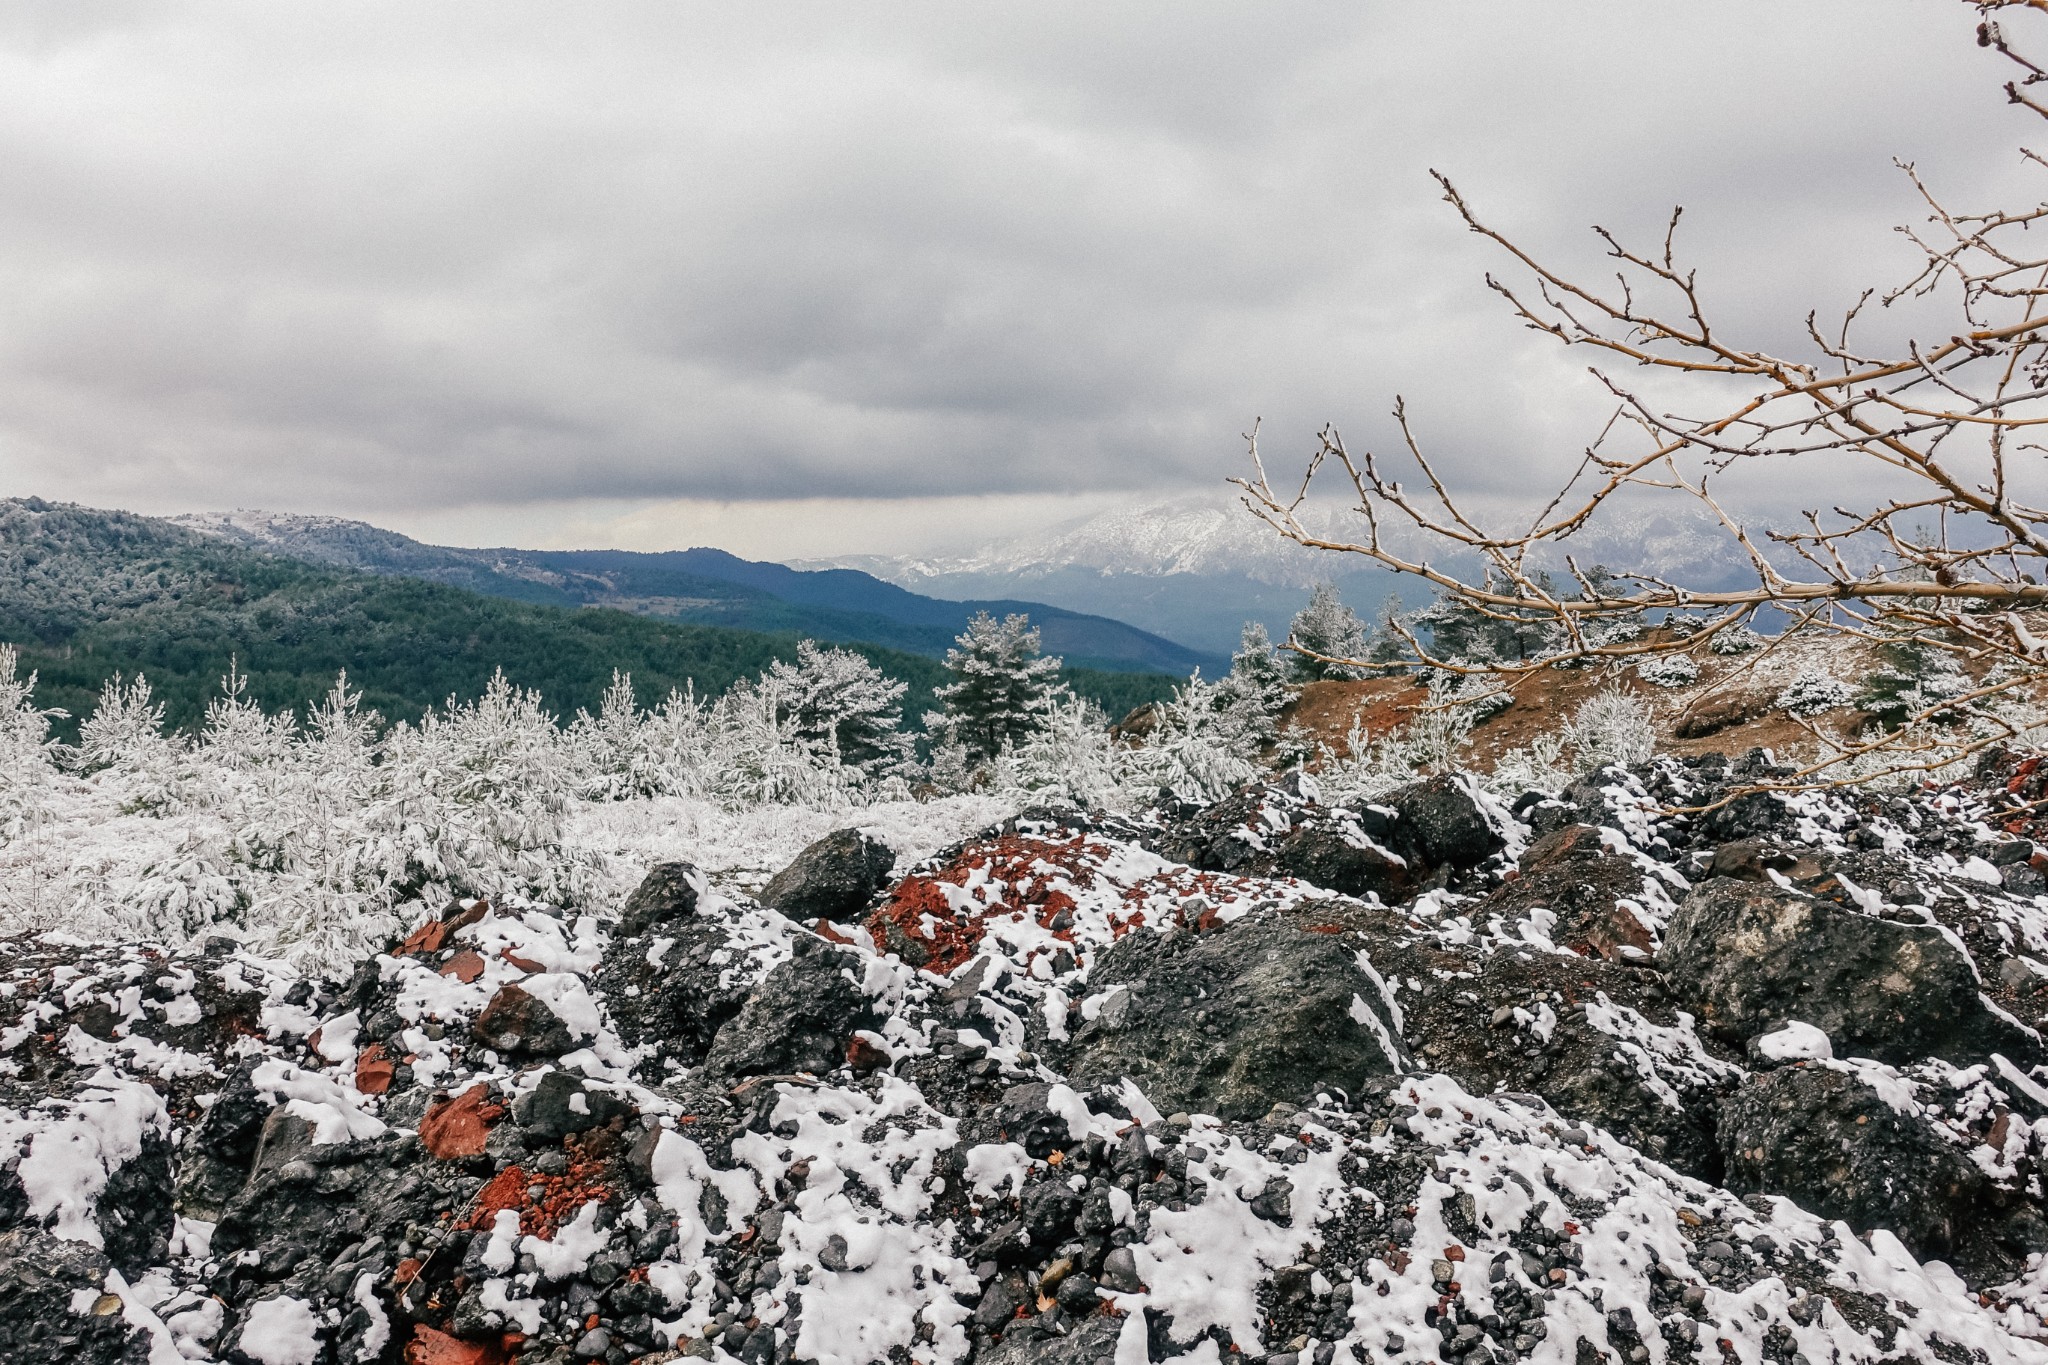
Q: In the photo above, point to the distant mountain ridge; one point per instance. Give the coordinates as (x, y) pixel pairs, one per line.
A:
(1197, 566)
(705, 587)
(87, 594)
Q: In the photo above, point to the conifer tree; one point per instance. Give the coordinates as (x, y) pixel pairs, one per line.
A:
(1255, 689)
(1002, 690)
(836, 697)
(1329, 628)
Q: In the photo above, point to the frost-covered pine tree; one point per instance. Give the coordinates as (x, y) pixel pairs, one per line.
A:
(1203, 745)
(1002, 691)
(124, 737)
(27, 753)
(1462, 633)
(1389, 646)
(1255, 690)
(611, 748)
(677, 746)
(1328, 628)
(836, 696)
(1915, 678)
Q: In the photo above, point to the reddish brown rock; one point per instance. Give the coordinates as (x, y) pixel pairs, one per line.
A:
(373, 1070)
(433, 935)
(520, 1022)
(466, 966)
(459, 1127)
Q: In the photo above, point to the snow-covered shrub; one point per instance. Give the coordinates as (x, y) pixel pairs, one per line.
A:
(27, 753)
(318, 839)
(766, 756)
(1669, 670)
(1539, 765)
(1611, 727)
(477, 792)
(1812, 692)
(611, 746)
(1071, 755)
(1434, 740)
(676, 748)
(1736, 640)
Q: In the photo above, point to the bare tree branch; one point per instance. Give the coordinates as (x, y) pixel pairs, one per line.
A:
(1949, 550)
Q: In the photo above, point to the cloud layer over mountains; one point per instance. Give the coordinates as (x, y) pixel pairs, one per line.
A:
(509, 256)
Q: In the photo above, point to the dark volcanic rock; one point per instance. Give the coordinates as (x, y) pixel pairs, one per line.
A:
(800, 1018)
(135, 1211)
(1571, 873)
(833, 879)
(216, 1157)
(1348, 856)
(1092, 1341)
(1831, 1143)
(1265, 829)
(1752, 956)
(561, 1104)
(39, 1276)
(679, 996)
(1233, 1021)
(1027, 1118)
(1448, 821)
(666, 895)
(1492, 1025)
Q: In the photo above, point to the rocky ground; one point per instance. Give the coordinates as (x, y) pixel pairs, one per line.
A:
(1297, 1084)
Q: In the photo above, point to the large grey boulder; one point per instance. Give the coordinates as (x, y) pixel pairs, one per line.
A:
(1232, 1021)
(1751, 956)
(833, 879)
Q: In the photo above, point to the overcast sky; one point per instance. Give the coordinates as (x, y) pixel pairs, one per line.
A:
(823, 278)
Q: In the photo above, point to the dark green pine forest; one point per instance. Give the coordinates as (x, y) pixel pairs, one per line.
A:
(86, 594)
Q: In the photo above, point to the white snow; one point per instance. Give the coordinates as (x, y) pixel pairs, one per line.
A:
(68, 1148)
(281, 1331)
(1795, 1042)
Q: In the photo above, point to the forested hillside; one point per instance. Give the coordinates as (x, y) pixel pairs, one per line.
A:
(87, 594)
(703, 587)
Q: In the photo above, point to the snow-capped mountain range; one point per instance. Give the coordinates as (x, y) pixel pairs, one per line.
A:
(1195, 567)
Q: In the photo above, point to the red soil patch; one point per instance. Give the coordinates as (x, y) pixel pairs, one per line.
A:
(562, 1197)
(1031, 872)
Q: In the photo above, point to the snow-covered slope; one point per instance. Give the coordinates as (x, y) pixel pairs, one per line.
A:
(1057, 1096)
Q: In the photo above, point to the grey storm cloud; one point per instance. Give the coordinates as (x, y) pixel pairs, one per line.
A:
(339, 258)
